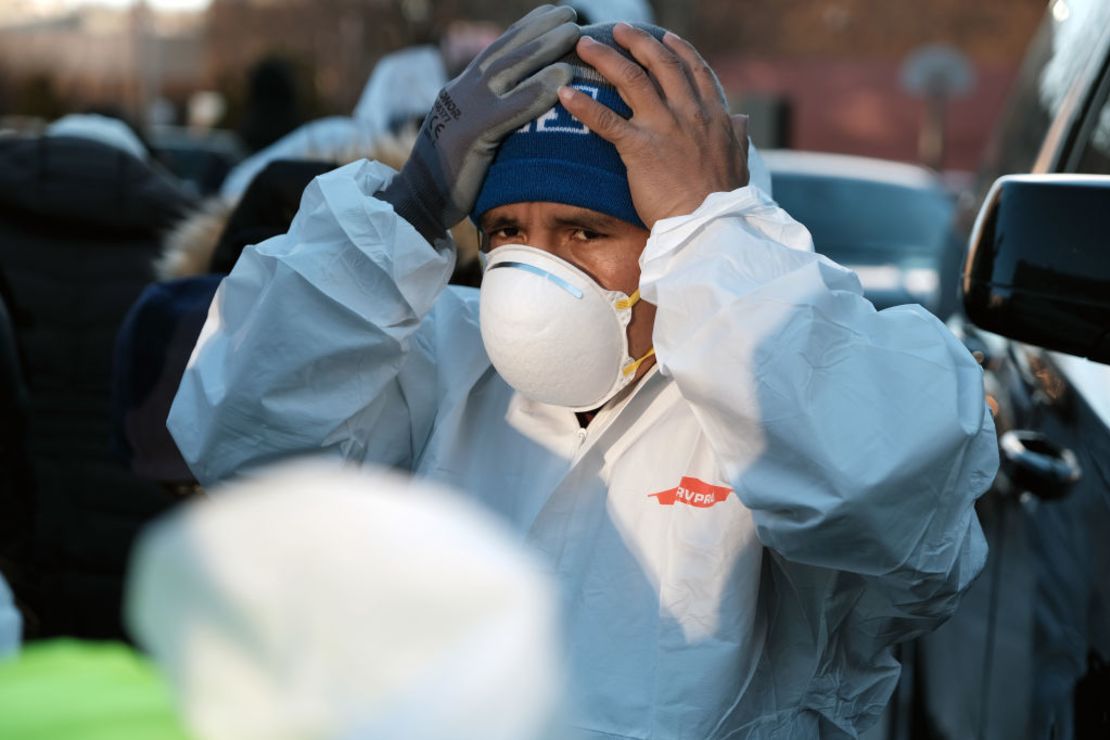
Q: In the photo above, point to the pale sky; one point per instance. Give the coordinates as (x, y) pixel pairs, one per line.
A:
(54, 5)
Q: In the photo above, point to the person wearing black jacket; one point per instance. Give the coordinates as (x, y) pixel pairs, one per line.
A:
(80, 225)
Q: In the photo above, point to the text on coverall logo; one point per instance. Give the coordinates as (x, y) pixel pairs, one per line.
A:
(693, 492)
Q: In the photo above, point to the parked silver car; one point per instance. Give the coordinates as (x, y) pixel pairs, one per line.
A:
(887, 221)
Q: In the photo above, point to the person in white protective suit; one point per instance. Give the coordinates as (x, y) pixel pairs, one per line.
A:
(402, 87)
(748, 483)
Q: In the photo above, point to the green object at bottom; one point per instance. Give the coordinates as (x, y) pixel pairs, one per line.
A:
(72, 690)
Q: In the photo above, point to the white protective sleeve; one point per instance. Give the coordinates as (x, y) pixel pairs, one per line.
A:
(11, 623)
(310, 340)
(860, 439)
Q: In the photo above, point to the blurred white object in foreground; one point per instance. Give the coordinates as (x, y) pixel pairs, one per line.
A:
(310, 601)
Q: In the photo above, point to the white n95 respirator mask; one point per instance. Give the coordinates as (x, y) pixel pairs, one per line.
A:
(553, 333)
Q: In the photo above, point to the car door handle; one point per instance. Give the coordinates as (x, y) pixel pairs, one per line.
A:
(1035, 464)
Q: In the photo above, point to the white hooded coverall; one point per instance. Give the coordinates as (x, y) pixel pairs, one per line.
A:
(739, 538)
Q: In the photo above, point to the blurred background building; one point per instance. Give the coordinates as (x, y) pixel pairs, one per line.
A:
(827, 75)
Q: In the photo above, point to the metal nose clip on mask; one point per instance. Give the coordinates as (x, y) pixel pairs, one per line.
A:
(552, 332)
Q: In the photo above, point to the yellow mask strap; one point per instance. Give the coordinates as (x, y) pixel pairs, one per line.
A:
(633, 366)
(628, 302)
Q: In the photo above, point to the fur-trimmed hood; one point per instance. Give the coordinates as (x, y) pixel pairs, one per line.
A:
(189, 248)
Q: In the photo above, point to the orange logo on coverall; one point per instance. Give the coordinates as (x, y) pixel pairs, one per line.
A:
(693, 492)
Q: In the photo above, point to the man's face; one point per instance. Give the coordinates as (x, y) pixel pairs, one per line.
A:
(605, 248)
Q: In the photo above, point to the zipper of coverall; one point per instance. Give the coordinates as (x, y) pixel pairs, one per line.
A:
(600, 433)
(605, 416)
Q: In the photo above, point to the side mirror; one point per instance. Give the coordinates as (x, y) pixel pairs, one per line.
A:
(1038, 267)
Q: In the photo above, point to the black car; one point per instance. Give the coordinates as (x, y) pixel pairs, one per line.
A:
(1028, 654)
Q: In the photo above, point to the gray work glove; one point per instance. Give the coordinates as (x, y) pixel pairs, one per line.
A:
(510, 83)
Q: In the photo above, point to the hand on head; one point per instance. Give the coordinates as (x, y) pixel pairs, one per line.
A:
(680, 144)
(507, 85)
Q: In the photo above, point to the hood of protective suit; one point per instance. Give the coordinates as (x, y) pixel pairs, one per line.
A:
(109, 131)
(611, 11)
(337, 138)
(318, 602)
(402, 87)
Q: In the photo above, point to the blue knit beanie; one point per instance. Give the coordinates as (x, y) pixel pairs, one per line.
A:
(556, 159)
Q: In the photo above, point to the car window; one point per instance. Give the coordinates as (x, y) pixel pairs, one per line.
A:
(1026, 119)
(1095, 156)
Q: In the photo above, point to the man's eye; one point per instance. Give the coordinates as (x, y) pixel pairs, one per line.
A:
(496, 237)
(586, 235)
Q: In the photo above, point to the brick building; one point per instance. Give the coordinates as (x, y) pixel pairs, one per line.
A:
(832, 68)
(815, 74)
(826, 71)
